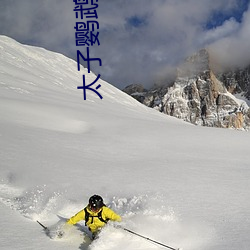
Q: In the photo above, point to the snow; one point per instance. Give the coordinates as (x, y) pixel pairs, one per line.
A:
(242, 99)
(182, 185)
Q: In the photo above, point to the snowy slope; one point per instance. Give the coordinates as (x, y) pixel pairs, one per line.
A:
(179, 184)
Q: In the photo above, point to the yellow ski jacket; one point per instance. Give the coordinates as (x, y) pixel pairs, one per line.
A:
(94, 223)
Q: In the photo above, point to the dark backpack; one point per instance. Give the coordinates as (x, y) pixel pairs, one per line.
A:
(88, 216)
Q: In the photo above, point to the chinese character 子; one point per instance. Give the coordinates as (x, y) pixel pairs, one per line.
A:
(88, 87)
(86, 59)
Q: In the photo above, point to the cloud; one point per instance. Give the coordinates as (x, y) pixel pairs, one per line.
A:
(47, 23)
(228, 28)
(140, 40)
(233, 49)
(170, 31)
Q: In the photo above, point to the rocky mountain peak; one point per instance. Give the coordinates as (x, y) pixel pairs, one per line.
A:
(200, 96)
(196, 64)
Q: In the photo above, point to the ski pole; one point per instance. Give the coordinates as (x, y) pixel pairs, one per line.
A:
(146, 238)
(45, 228)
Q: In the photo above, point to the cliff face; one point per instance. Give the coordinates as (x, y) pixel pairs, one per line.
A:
(201, 97)
(237, 81)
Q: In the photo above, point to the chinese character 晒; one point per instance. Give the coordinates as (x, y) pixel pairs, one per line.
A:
(87, 35)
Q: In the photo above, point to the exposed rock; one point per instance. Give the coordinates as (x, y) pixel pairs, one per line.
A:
(133, 88)
(137, 91)
(237, 81)
(201, 97)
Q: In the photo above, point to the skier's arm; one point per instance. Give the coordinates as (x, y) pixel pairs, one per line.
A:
(77, 217)
(110, 214)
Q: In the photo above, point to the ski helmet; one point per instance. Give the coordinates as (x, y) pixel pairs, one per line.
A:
(95, 202)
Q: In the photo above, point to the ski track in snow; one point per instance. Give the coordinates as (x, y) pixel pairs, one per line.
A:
(53, 143)
(43, 117)
(145, 214)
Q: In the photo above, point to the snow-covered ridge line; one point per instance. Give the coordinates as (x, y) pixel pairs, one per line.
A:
(182, 185)
(30, 62)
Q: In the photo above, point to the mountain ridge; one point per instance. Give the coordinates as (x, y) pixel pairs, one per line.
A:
(200, 95)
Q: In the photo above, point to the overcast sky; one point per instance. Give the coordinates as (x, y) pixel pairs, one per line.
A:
(140, 40)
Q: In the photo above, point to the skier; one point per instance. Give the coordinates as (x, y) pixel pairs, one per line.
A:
(95, 214)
